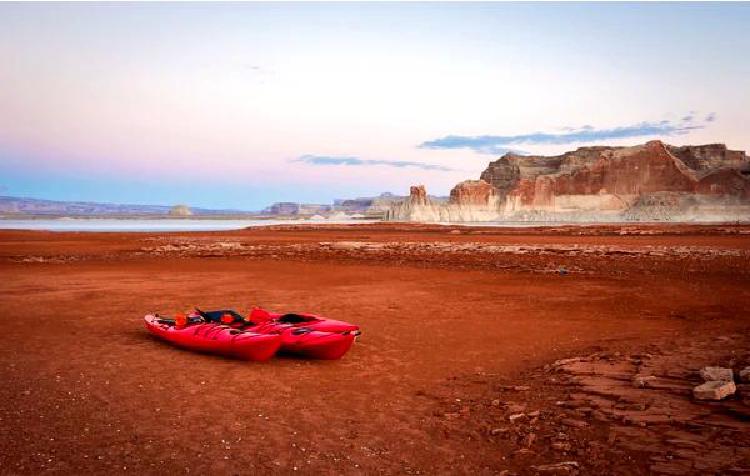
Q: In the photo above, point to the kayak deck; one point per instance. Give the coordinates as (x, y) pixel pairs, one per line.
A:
(217, 339)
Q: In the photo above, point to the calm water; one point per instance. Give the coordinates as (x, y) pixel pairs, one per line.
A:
(105, 224)
(108, 224)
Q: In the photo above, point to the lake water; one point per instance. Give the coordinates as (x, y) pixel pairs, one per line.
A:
(145, 225)
(108, 224)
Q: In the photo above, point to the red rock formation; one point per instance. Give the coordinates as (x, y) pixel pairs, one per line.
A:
(708, 158)
(726, 182)
(650, 168)
(535, 181)
(472, 192)
(653, 181)
(418, 195)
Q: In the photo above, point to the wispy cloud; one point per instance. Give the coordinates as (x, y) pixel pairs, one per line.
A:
(356, 161)
(490, 144)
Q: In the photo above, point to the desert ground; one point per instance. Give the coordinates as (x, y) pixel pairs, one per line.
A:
(551, 350)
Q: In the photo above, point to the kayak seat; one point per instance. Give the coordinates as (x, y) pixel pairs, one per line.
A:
(215, 316)
(170, 322)
(293, 319)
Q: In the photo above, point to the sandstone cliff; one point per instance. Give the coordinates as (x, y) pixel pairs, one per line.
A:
(653, 181)
(471, 200)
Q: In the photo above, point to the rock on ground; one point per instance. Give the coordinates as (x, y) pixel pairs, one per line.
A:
(714, 390)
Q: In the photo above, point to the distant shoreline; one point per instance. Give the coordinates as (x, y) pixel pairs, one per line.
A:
(309, 218)
(161, 224)
(166, 224)
(147, 217)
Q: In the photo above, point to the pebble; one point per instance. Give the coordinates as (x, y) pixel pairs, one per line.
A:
(714, 390)
(562, 467)
(561, 446)
(574, 423)
(643, 381)
(516, 416)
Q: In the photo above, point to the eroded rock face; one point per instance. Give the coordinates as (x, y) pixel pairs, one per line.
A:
(653, 181)
(473, 192)
(708, 158)
(417, 195)
(503, 174)
(471, 200)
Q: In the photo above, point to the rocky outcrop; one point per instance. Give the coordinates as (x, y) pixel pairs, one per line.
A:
(714, 390)
(418, 195)
(417, 207)
(473, 192)
(470, 200)
(180, 211)
(653, 181)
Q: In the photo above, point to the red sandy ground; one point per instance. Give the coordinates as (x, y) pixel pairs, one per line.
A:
(451, 341)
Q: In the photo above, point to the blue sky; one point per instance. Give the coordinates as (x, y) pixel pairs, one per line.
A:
(238, 105)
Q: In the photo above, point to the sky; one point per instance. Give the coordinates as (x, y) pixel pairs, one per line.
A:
(241, 105)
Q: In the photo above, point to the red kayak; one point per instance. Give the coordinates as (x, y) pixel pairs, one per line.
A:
(312, 321)
(216, 338)
(306, 335)
(307, 342)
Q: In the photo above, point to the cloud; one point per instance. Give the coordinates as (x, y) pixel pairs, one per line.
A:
(356, 161)
(489, 144)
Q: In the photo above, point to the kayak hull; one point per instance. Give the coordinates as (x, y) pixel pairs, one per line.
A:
(316, 344)
(217, 339)
(311, 336)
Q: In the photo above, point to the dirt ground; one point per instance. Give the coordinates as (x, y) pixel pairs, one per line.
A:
(463, 366)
